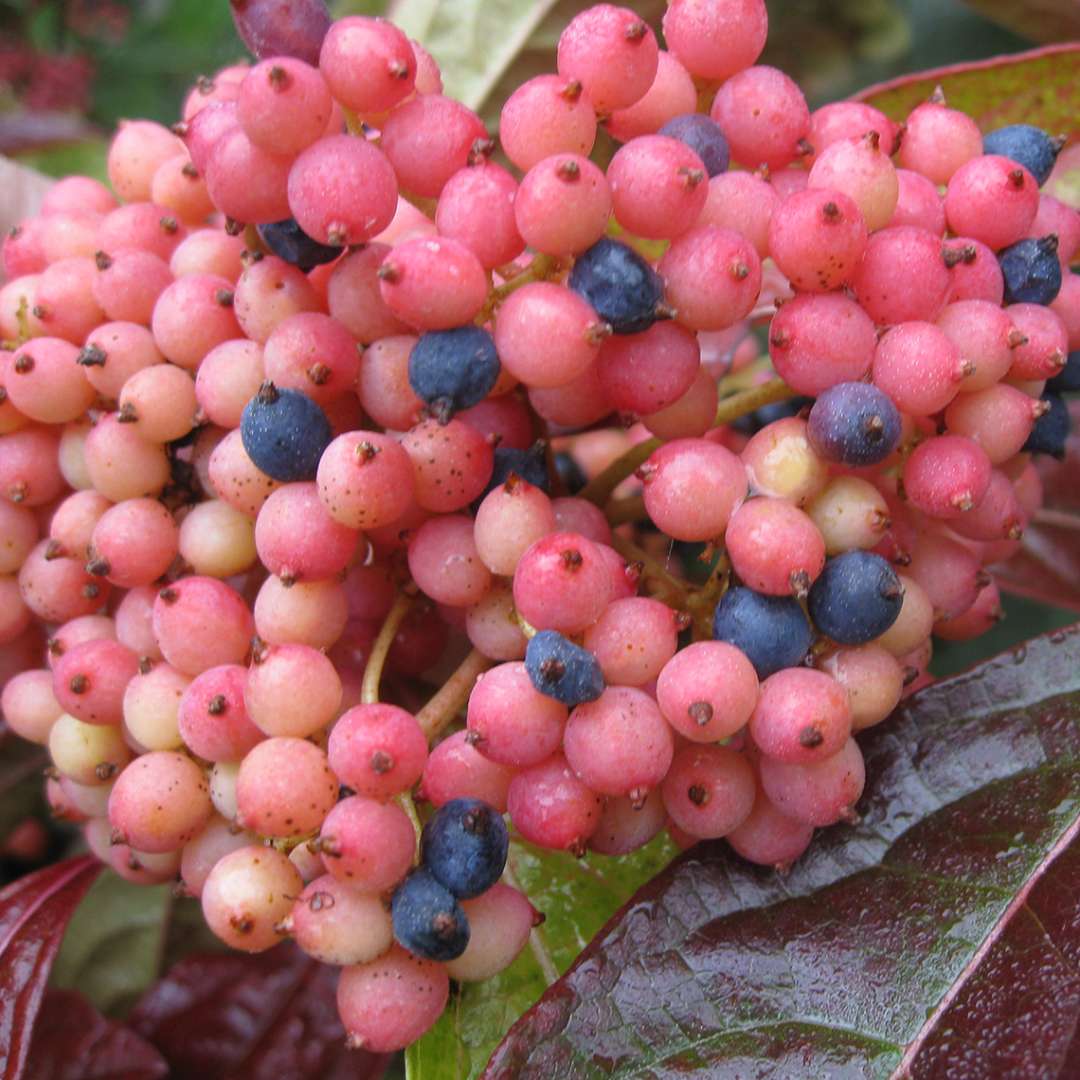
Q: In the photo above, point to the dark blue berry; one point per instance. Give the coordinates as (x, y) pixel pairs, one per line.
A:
(856, 598)
(704, 137)
(428, 920)
(1051, 430)
(563, 670)
(453, 369)
(854, 423)
(529, 465)
(463, 846)
(289, 242)
(1026, 145)
(623, 289)
(753, 422)
(1067, 380)
(570, 473)
(284, 433)
(1032, 271)
(772, 631)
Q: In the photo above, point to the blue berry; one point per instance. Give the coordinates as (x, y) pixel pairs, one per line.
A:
(453, 369)
(464, 847)
(623, 289)
(289, 242)
(428, 920)
(753, 422)
(1051, 430)
(772, 631)
(563, 670)
(1026, 145)
(856, 598)
(570, 473)
(1031, 270)
(704, 137)
(1067, 380)
(854, 423)
(529, 465)
(284, 433)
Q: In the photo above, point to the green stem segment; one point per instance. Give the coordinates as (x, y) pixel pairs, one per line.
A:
(451, 697)
(369, 688)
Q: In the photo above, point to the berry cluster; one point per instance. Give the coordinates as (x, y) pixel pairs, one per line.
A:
(320, 408)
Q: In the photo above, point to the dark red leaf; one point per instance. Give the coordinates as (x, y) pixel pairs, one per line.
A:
(942, 933)
(1038, 87)
(1048, 566)
(73, 1041)
(265, 1017)
(34, 911)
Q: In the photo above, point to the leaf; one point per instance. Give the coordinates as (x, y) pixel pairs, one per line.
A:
(941, 933)
(1048, 566)
(34, 912)
(269, 1016)
(577, 896)
(20, 780)
(1040, 20)
(474, 41)
(113, 952)
(73, 1041)
(1040, 87)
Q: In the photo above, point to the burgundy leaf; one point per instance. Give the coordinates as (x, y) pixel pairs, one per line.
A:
(1048, 566)
(269, 1016)
(1039, 87)
(939, 937)
(73, 1041)
(34, 912)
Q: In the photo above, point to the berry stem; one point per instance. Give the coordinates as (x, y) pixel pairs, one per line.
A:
(653, 572)
(405, 801)
(746, 401)
(1058, 519)
(625, 511)
(536, 937)
(452, 695)
(541, 268)
(598, 490)
(369, 688)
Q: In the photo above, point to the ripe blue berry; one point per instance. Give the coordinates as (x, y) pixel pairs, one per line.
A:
(284, 433)
(570, 473)
(704, 137)
(623, 289)
(1032, 271)
(854, 423)
(464, 847)
(1051, 430)
(428, 920)
(1067, 380)
(772, 631)
(289, 242)
(856, 598)
(453, 369)
(563, 670)
(530, 465)
(1026, 145)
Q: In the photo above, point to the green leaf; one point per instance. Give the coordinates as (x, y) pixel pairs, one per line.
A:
(937, 937)
(474, 41)
(1040, 87)
(577, 896)
(114, 945)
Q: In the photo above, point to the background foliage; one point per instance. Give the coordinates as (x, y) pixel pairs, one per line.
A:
(69, 69)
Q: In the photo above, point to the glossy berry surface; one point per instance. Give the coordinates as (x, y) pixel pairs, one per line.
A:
(454, 369)
(563, 670)
(284, 433)
(1031, 270)
(772, 631)
(464, 845)
(620, 285)
(428, 920)
(854, 424)
(856, 599)
(289, 242)
(704, 137)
